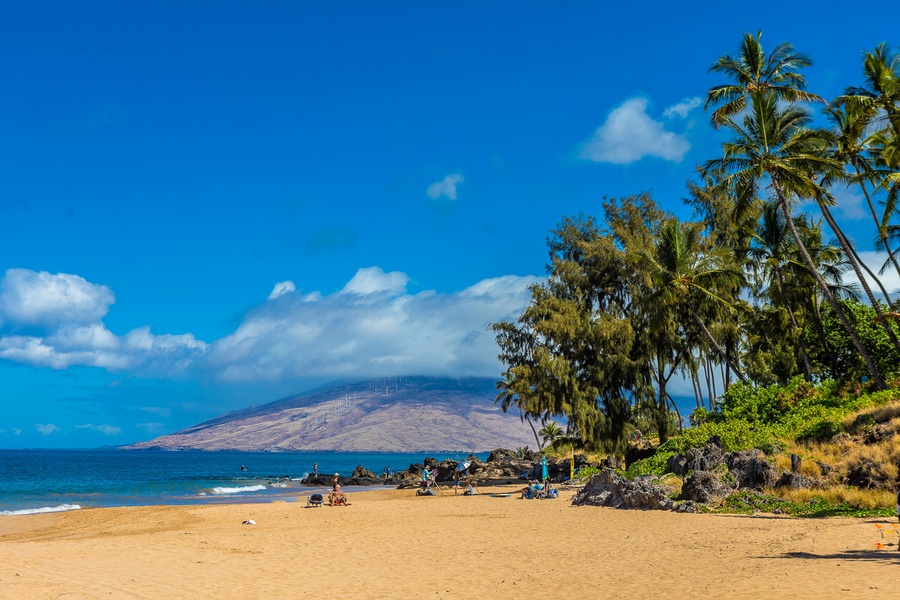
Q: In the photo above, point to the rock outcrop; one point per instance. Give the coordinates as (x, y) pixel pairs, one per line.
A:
(608, 489)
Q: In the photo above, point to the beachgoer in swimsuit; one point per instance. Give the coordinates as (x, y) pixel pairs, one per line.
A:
(315, 469)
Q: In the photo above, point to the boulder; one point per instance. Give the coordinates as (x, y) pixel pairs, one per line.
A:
(608, 489)
(361, 471)
(877, 433)
(677, 464)
(704, 486)
(707, 458)
(795, 463)
(751, 469)
(796, 481)
(867, 474)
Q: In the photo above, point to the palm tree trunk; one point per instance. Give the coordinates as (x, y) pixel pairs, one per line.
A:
(715, 344)
(878, 226)
(807, 369)
(855, 262)
(870, 364)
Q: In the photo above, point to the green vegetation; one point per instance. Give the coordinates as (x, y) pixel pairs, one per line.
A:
(747, 301)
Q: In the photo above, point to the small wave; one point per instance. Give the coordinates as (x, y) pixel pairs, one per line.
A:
(237, 490)
(43, 509)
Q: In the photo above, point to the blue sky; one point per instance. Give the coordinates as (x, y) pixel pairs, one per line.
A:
(211, 205)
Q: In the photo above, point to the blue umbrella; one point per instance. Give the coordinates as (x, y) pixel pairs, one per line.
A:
(545, 475)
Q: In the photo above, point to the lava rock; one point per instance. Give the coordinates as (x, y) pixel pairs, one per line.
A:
(608, 489)
(704, 486)
(751, 469)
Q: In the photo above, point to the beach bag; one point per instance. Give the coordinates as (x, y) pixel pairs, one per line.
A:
(316, 499)
(552, 494)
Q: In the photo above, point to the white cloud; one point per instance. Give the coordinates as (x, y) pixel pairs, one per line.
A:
(851, 203)
(372, 280)
(281, 288)
(890, 279)
(629, 134)
(70, 309)
(104, 429)
(372, 327)
(445, 187)
(366, 335)
(32, 298)
(47, 429)
(682, 108)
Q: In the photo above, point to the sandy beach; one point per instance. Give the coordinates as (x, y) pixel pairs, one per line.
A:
(392, 544)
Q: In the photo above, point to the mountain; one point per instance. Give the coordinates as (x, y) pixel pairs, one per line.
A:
(401, 414)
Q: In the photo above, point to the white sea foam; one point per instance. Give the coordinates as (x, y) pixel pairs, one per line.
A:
(237, 490)
(43, 509)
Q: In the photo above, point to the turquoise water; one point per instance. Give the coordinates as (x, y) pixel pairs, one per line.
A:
(33, 481)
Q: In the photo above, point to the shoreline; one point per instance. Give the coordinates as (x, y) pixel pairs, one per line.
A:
(391, 543)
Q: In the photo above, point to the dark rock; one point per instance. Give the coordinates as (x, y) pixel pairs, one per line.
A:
(704, 486)
(751, 469)
(677, 464)
(503, 455)
(688, 506)
(608, 489)
(825, 468)
(361, 471)
(796, 481)
(867, 474)
(795, 463)
(610, 462)
(636, 453)
(707, 458)
(877, 433)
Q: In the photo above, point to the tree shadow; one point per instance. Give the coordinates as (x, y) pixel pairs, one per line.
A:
(888, 555)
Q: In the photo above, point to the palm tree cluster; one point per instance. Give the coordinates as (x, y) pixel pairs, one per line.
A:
(751, 290)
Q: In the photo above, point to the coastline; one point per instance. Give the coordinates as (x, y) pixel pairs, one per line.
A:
(391, 543)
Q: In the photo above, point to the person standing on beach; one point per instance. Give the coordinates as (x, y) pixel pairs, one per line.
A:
(315, 469)
(334, 482)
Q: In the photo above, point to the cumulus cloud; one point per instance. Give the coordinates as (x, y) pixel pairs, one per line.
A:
(372, 280)
(445, 187)
(629, 134)
(367, 335)
(682, 108)
(40, 298)
(104, 429)
(69, 310)
(371, 327)
(282, 288)
(46, 428)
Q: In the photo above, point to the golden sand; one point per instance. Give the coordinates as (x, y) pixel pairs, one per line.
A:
(392, 544)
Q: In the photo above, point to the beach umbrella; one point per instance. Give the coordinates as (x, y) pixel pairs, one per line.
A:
(463, 466)
(545, 475)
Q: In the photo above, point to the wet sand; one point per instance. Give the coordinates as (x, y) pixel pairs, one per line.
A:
(392, 544)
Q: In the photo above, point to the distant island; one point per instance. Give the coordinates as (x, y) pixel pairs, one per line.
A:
(399, 414)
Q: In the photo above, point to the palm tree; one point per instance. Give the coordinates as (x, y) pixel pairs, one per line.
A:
(772, 253)
(508, 398)
(754, 73)
(879, 96)
(775, 142)
(550, 432)
(853, 144)
(684, 277)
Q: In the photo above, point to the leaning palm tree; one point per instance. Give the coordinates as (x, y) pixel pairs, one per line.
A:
(879, 96)
(685, 278)
(753, 72)
(775, 142)
(854, 143)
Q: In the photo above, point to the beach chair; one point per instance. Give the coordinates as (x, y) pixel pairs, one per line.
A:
(314, 500)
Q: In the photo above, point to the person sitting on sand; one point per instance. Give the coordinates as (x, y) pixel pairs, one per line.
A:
(337, 496)
(531, 491)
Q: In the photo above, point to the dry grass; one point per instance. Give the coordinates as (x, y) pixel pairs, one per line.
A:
(855, 497)
(855, 423)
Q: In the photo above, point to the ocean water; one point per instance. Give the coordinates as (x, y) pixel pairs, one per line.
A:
(34, 481)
